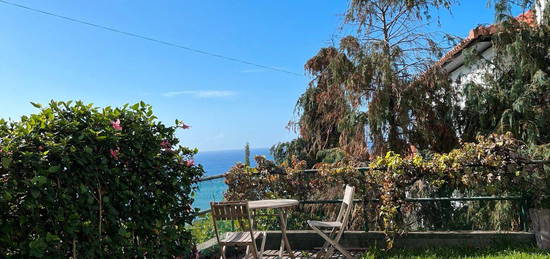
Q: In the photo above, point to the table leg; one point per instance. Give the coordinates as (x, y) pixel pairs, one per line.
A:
(281, 249)
(254, 225)
(283, 232)
(284, 241)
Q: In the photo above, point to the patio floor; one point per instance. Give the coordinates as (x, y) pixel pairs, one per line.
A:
(304, 242)
(272, 254)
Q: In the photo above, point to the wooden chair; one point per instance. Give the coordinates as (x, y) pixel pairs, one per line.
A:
(237, 211)
(337, 227)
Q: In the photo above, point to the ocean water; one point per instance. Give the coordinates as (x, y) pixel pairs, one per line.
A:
(219, 162)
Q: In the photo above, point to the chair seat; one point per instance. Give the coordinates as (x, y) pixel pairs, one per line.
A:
(324, 224)
(240, 237)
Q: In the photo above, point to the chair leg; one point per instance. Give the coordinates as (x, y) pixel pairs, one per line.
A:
(329, 252)
(337, 237)
(333, 243)
(322, 252)
(324, 249)
(334, 235)
(222, 250)
(254, 251)
(247, 251)
(281, 249)
(264, 238)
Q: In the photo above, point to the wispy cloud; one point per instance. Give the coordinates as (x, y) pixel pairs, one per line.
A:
(200, 93)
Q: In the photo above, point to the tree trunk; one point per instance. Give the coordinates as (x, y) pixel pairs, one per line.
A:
(540, 222)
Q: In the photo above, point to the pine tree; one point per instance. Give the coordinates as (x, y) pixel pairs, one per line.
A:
(247, 154)
(359, 91)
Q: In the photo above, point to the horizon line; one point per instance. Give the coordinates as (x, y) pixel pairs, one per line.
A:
(231, 149)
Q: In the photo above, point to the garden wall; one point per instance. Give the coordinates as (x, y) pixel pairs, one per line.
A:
(307, 239)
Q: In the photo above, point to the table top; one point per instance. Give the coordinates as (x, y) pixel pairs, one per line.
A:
(272, 204)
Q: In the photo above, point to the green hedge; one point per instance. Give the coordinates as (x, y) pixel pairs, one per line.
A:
(80, 181)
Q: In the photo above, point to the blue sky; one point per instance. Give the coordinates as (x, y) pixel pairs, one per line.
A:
(227, 104)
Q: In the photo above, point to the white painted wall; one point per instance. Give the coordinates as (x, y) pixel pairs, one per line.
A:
(472, 74)
(475, 73)
(539, 9)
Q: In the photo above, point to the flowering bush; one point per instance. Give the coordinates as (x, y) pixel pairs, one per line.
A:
(496, 165)
(79, 181)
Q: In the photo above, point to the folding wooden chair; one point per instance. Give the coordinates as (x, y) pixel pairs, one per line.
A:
(223, 211)
(338, 227)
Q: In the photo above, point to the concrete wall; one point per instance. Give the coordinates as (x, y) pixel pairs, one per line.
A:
(304, 239)
(307, 240)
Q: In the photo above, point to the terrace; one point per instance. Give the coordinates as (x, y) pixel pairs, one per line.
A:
(436, 229)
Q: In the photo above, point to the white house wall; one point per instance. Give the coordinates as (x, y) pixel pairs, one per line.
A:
(472, 74)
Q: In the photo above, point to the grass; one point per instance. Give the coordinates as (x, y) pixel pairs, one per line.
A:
(462, 253)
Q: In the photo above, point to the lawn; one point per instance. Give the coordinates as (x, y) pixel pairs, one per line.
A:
(496, 253)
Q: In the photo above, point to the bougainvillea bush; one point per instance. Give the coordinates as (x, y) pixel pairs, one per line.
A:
(80, 181)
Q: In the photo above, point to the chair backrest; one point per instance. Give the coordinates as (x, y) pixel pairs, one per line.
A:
(348, 195)
(230, 210)
(233, 211)
(347, 206)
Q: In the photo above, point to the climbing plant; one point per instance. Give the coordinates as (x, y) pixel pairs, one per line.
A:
(493, 165)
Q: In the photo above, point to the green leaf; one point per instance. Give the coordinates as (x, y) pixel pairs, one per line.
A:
(37, 105)
(101, 137)
(37, 247)
(7, 196)
(54, 169)
(39, 180)
(35, 193)
(83, 188)
(6, 161)
(51, 237)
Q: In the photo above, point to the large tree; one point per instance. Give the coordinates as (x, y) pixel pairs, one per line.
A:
(379, 89)
(391, 49)
(360, 89)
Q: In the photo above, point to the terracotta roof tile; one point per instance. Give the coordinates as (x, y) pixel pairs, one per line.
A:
(528, 17)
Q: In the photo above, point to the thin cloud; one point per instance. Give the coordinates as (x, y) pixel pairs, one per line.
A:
(201, 93)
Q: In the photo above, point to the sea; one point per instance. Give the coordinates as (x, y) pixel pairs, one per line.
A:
(219, 162)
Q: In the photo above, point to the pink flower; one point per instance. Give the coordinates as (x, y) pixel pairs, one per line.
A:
(190, 163)
(116, 125)
(115, 152)
(184, 126)
(166, 145)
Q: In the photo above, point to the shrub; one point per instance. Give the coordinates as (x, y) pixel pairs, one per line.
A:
(76, 180)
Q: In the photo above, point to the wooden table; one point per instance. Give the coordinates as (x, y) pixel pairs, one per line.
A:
(282, 205)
